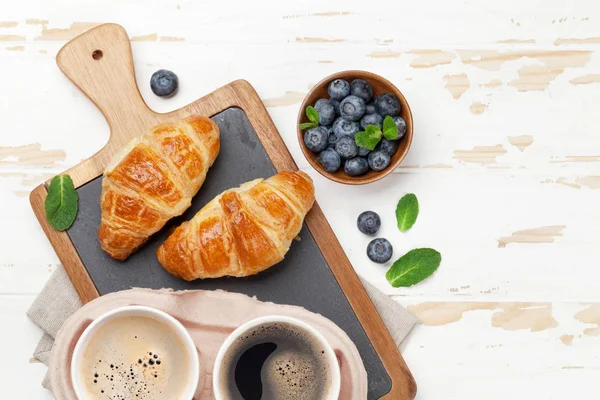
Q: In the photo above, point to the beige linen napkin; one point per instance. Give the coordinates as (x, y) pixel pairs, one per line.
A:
(58, 300)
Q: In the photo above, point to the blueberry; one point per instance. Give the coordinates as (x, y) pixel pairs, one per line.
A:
(368, 222)
(332, 138)
(363, 151)
(330, 160)
(362, 89)
(390, 146)
(315, 139)
(356, 166)
(336, 104)
(371, 119)
(370, 109)
(379, 250)
(387, 104)
(326, 113)
(379, 160)
(401, 124)
(338, 89)
(320, 102)
(346, 147)
(164, 83)
(352, 108)
(343, 127)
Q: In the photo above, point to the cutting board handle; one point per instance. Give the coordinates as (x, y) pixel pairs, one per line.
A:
(99, 62)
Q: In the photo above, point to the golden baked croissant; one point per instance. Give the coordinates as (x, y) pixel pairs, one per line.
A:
(152, 180)
(241, 232)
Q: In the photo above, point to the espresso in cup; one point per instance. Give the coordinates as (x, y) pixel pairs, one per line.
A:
(277, 360)
(134, 356)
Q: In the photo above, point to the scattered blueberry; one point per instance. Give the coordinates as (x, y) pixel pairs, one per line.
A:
(371, 119)
(356, 166)
(315, 139)
(164, 83)
(326, 113)
(320, 102)
(336, 104)
(379, 160)
(401, 124)
(330, 160)
(387, 104)
(346, 147)
(338, 89)
(370, 109)
(362, 89)
(390, 146)
(379, 250)
(343, 127)
(363, 151)
(352, 108)
(368, 222)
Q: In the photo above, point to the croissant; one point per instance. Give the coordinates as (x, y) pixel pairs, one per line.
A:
(152, 180)
(241, 232)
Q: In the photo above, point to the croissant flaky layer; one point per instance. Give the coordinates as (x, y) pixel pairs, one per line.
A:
(241, 232)
(152, 180)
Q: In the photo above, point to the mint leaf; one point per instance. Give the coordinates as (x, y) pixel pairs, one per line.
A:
(407, 211)
(372, 129)
(369, 137)
(312, 114)
(61, 203)
(413, 267)
(390, 130)
(307, 125)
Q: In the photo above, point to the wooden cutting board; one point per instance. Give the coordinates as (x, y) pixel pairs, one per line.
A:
(315, 274)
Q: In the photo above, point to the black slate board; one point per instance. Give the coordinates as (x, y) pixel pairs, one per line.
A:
(302, 278)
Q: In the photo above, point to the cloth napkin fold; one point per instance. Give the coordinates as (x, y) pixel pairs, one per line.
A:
(58, 300)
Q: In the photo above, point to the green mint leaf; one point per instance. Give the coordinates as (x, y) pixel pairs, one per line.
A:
(312, 114)
(407, 211)
(368, 138)
(307, 125)
(390, 130)
(373, 129)
(61, 203)
(413, 267)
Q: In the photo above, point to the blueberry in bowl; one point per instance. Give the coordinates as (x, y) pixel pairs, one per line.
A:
(359, 117)
(371, 119)
(342, 127)
(326, 112)
(352, 108)
(379, 160)
(338, 89)
(361, 88)
(315, 139)
(346, 147)
(356, 166)
(330, 160)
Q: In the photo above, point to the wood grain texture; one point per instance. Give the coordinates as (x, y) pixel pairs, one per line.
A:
(100, 77)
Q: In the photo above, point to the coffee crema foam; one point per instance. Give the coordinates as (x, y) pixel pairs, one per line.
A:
(134, 357)
(295, 367)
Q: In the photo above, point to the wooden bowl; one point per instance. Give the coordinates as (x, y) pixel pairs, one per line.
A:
(380, 86)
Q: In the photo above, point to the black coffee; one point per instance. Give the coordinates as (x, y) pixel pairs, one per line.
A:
(275, 362)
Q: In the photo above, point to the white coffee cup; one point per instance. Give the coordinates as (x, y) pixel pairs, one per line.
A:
(309, 331)
(137, 311)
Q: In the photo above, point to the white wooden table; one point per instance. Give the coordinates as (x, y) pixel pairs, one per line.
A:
(505, 163)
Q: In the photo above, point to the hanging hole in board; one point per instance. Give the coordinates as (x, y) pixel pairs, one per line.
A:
(97, 54)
